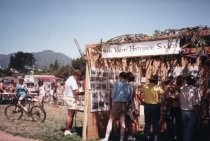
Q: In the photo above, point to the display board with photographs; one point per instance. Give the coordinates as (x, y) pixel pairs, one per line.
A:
(101, 83)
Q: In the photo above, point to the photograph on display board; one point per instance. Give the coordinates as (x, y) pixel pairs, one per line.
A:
(104, 74)
(107, 99)
(104, 85)
(101, 99)
(99, 73)
(94, 100)
(110, 83)
(111, 74)
(93, 73)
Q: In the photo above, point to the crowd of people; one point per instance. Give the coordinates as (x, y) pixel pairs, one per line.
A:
(174, 102)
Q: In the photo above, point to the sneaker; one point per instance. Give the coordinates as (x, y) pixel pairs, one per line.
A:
(67, 132)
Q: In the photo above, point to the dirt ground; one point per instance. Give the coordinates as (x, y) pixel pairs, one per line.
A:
(8, 137)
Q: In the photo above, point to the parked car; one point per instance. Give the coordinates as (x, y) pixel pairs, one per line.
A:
(7, 85)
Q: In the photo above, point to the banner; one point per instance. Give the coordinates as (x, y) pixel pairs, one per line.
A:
(161, 47)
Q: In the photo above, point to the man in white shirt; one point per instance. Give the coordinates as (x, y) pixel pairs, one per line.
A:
(70, 92)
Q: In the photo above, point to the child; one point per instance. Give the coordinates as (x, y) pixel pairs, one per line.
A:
(21, 92)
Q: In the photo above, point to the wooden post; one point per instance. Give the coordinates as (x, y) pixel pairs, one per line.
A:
(87, 97)
(94, 123)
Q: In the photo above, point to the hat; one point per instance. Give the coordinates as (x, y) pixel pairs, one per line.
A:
(154, 77)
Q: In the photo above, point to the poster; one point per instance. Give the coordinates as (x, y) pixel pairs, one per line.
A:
(101, 83)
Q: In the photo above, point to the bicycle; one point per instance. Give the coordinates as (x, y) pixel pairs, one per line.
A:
(15, 111)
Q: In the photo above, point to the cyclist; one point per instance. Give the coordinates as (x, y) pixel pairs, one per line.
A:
(21, 92)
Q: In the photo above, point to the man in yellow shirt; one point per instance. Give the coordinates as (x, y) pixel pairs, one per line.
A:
(152, 92)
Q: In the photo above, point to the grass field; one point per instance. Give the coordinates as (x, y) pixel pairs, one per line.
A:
(50, 130)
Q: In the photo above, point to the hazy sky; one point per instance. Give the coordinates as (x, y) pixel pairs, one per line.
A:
(36, 25)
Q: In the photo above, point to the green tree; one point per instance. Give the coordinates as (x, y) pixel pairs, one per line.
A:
(20, 61)
(80, 64)
(63, 72)
(56, 65)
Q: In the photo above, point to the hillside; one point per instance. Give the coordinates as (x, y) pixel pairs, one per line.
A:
(43, 59)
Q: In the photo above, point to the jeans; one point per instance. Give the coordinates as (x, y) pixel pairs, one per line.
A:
(174, 129)
(189, 121)
(152, 117)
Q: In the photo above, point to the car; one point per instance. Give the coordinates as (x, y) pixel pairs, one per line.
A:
(7, 85)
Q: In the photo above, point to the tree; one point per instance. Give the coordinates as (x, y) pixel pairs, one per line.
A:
(63, 72)
(21, 61)
(56, 65)
(80, 64)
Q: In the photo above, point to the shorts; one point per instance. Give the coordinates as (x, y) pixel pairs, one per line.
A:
(70, 102)
(118, 109)
(21, 96)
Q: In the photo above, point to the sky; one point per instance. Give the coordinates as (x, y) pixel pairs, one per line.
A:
(37, 25)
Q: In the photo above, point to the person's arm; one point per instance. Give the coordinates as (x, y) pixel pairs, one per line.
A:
(196, 102)
(141, 94)
(131, 91)
(26, 89)
(75, 87)
(161, 96)
(76, 92)
(114, 91)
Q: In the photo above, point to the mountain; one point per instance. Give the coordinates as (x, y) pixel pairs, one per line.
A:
(43, 59)
(47, 57)
(4, 60)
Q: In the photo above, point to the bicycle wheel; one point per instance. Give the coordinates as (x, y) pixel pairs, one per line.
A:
(38, 114)
(13, 112)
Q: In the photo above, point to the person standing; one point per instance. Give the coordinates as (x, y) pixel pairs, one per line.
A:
(172, 92)
(133, 123)
(59, 91)
(121, 97)
(190, 100)
(42, 93)
(70, 93)
(152, 92)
